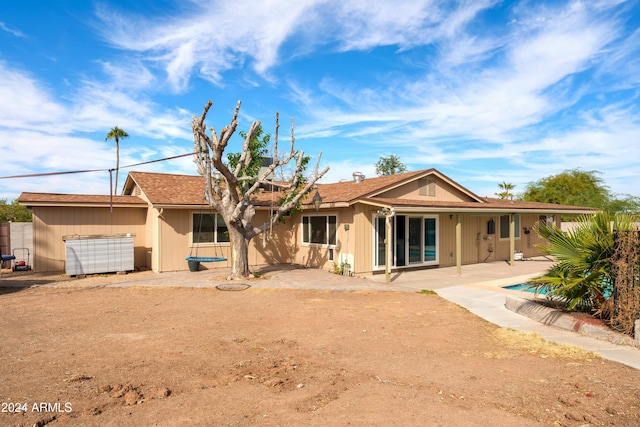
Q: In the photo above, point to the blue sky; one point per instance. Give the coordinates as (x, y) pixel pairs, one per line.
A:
(484, 91)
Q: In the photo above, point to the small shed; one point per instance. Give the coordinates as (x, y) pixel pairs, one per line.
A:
(98, 253)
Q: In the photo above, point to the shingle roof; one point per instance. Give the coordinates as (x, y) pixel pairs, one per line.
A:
(76, 199)
(183, 190)
(188, 190)
(170, 189)
(348, 191)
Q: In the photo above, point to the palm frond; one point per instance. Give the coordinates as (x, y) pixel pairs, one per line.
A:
(583, 273)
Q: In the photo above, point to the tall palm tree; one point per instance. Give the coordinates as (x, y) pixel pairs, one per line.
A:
(506, 187)
(117, 133)
(583, 273)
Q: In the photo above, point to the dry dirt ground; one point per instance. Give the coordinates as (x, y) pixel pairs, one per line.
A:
(107, 356)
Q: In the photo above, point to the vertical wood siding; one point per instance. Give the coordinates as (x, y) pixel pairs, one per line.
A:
(363, 231)
(478, 246)
(50, 224)
(163, 243)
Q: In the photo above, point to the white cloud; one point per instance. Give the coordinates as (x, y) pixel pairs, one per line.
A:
(129, 75)
(16, 33)
(465, 94)
(43, 133)
(208, 39)
(530, 78)
(27, 103)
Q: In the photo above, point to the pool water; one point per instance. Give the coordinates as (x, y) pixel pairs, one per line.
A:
(524, 287)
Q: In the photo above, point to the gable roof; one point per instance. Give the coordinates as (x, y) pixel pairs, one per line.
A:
(351, 191)
(167, 189)
(162, 189)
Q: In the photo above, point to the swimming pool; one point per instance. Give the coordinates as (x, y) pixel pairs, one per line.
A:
(525, 287)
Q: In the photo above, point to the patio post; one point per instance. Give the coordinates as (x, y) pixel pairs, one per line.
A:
(458, 245)
(512, 240)
(388, 213)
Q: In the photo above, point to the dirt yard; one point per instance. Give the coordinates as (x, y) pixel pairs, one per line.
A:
(106, 356)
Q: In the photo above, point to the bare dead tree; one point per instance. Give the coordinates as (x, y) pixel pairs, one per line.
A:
(230, 194)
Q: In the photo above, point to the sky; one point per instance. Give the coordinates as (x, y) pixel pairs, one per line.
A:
(483, 91)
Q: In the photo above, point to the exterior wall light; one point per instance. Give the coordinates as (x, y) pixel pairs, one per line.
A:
(317, 200)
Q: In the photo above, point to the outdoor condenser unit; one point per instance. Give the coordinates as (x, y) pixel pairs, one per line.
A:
(98, 253)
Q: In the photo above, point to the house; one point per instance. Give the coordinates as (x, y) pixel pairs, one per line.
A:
(431, 221)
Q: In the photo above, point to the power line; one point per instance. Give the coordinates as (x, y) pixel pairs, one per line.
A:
(32, 175)
(159, 160)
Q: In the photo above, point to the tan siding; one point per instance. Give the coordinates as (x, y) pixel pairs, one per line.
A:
(150, 243)
(277, 245)
(530, 241)
(470, 244)
(174, 239)
(487, 243)
(469, 239)
(475, 240)
(50, 224)
(346, 238)
(411, 190)
(283, 244)
(293, 250)
(363, 245)
(526, 243)
(315, 256)
(447, 236)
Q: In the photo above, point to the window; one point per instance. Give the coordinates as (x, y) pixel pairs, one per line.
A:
(504, 226)
(319, 229)
(415, 239)
(546, 219)
(208, 228)
(430, 244)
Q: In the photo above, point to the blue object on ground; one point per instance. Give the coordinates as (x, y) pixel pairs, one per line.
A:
(205, 258)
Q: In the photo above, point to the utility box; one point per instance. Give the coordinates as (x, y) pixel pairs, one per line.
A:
(98, 253)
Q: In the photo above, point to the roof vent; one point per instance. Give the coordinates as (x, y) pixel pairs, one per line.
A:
(358, 177)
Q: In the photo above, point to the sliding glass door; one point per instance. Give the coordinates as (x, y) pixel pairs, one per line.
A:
(413, 241)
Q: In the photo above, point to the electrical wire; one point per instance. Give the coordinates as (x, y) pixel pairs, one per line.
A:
(33, 175)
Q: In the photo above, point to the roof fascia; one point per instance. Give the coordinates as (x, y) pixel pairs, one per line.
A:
(481, 211)
(374, 193)
(428, 172)
(83, 205)
(256, 207)
(371, 203)
(128, 183)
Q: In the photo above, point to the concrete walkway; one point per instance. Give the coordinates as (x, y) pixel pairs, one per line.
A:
(479, 289)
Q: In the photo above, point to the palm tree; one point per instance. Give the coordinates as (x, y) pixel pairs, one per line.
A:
(583, 273)
(505, 187)
(117, 133)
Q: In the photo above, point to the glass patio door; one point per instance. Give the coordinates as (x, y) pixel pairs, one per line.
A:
(413, 240)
